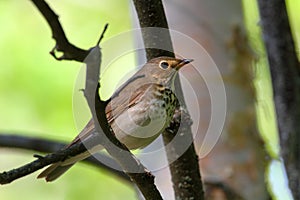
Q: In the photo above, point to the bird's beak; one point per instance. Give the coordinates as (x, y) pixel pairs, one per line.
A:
(183, 62)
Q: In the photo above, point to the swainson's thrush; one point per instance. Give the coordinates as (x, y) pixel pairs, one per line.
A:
(137, 112)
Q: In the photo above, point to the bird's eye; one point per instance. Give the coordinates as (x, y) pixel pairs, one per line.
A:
(164, 65)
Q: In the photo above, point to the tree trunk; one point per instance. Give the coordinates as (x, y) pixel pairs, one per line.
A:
(238, 159)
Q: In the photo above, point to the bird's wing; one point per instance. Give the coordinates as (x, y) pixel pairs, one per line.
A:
(85, 133)
(123, 102)
(114, 108)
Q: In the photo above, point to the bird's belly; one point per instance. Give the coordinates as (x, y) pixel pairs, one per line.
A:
(138, 127)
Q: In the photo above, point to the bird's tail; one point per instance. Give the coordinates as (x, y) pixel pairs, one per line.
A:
(54, 171)
(57, 169)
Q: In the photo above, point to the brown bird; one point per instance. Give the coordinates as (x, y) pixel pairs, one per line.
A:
(137, 112)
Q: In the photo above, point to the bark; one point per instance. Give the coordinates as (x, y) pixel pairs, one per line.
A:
(238, 159)
(285, 73)
(184, 169)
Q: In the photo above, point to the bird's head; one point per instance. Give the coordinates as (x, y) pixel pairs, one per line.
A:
(163, 70)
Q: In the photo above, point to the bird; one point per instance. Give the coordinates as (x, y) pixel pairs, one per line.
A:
(138, 111)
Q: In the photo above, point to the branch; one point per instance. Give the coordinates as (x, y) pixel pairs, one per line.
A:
(48, 146)
(143, 179)
(70, 51)
(151, 14)
(285, 73)
(9, 176)
(185, 169)
(133, 168)
(75, 54)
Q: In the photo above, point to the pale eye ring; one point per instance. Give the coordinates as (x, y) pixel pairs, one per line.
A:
(164, 65)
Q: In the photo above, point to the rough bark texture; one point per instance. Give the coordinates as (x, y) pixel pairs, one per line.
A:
(19, 141)
(238, 159)
(151, 14)
(285, 73)
(185, 169)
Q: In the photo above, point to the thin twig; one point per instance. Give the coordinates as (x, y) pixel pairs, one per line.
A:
(184, 170)
(102, 34)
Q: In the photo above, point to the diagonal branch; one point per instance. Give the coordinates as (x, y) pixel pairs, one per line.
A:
(47, 146)
(9, 176)
(40, 162)
(135, 170)
(184, 170)
(129, 163)
(70, 51)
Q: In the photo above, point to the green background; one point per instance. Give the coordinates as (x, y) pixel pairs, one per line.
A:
(37, 91)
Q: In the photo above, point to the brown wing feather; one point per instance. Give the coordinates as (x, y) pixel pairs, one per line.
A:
(120, 105)
(86, 131)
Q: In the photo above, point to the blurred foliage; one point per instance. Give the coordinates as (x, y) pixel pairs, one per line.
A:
(36, 91)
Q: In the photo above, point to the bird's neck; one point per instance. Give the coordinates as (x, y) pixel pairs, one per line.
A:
(167, 83)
